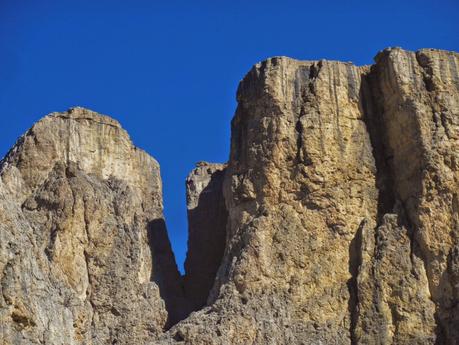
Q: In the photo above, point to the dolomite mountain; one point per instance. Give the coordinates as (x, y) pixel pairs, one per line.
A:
(334, 221)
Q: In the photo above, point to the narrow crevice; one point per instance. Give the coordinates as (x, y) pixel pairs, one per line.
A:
(385, 202)
(427, 74)
(207, 219)
(373, 102)
(305, 94)
(87, 258)
(299, 137)
(374, 120)
(374, 124)
(165, 273)
(389, 201)
(355, 260)
(89, 289)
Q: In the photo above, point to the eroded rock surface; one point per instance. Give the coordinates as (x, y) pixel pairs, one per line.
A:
(341, 190)
(335, 220)
(394, 302)
(300, 181)
(81, 206)
(417, 99)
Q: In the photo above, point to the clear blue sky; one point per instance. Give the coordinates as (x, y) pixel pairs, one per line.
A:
(168, 70)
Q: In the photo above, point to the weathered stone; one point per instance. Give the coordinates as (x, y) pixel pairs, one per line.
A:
(320, 152)
(417, 98)
(299, 182)
(335, 221)
(394, 305)
(88, 204)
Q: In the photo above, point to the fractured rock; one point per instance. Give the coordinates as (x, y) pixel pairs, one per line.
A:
(335, 220)
(79, 265)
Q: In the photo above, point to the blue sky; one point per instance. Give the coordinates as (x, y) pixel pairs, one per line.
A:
(168, 70)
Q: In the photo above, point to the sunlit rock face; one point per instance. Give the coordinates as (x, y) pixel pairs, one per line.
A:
(334, 221)
(80, 209)
(417, 99)
(341, 192)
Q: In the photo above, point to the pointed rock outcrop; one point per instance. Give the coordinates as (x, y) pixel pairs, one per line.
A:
(78, 262)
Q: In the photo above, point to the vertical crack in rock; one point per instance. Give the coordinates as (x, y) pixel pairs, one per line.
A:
(355, 262)
(374, 125)
(165, 273)
(304, 100)
(416, 89)
(364, 250)
(394, 300)
(207, 219)
(392, 245)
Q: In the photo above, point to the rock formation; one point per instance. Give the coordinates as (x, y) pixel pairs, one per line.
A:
(80, 208)
(417, 98)
(335, 220)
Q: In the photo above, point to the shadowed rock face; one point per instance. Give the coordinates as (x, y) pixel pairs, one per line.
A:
(335, 220)
(207, 218)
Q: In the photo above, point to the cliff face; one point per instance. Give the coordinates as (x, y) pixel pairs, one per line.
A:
(80, 209)
(417, 99)
(341, 193)
(335, 220)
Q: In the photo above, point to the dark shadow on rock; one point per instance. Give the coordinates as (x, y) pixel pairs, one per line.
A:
(165, 273)
(206, 241)
(389, 164)
(373, 122)
(355, 260)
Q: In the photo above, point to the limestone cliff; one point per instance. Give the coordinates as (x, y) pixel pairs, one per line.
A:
(417, 99)
(341, 191)
(335, 220)
(81, 212)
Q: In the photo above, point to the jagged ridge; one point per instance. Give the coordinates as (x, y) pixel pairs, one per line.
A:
(339, 223)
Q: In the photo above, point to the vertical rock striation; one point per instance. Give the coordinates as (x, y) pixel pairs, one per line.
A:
(417, 99)
(335, 220)
(394, 305)
(341, 191)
